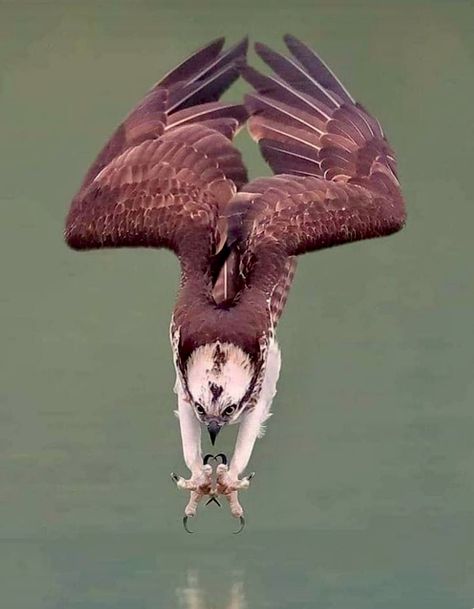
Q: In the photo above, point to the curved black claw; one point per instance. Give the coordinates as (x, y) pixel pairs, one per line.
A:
(213, 500)
(220, 456)
(207, 458)
(223, 458)
(174, 477)
(242, 525)
(185, 525)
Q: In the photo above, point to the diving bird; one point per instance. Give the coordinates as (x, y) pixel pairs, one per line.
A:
(171, 177)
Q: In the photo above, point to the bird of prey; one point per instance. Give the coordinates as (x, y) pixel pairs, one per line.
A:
(170, 177)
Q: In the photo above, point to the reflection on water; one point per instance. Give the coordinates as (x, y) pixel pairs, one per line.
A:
(391, 564)
(193, 595)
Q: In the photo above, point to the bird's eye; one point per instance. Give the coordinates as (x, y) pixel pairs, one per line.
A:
(229, 410)
(200, 409)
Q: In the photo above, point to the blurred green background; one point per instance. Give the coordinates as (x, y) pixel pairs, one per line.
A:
(364, 490)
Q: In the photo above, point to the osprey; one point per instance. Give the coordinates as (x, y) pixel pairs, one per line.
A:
(170, 177)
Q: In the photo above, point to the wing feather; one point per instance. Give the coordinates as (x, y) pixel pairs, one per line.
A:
(295, 75)
(337, 171)
(192, 66)
(316, 67)
(281, 290)
(168, 169)
(336, 176)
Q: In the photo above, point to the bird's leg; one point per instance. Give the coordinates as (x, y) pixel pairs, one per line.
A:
(249, 431)
(228, 482)
(200, 482)
(251, 427)
(227, 477)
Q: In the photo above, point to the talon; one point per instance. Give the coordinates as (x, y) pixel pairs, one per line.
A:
(242, 525)
(185, 525)
(174, 477)
(222, 457)
(213, 500)
(250, 476)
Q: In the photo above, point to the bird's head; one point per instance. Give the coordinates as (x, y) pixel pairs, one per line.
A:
(218, 377)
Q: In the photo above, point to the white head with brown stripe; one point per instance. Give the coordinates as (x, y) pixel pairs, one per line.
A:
(219, 377)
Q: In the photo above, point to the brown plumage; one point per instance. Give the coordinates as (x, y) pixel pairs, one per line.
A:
(170, 177)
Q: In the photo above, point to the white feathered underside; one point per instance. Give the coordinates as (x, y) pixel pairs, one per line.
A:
(269, 385)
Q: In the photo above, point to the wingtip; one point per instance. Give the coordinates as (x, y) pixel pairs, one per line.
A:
(218, 42)
(215, 46)
(294, 44)
(241, 58)
(290, 39)
(206, 54)
(291, 42)
(267, 54)
(236, 55)
(261, 48)
(239, 48)
(244, 43)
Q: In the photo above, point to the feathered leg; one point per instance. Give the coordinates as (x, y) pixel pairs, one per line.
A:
(200, 482)
(251, 428)
(228, 482)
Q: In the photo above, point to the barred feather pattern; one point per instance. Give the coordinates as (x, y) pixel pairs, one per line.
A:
(282, 289)
(336, 176)
(167, 171)
(170, 177)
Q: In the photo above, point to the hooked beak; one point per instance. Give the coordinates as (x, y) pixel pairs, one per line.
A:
(213, 428)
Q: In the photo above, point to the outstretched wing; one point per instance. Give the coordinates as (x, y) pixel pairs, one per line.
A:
(169, 168)
(336, 179)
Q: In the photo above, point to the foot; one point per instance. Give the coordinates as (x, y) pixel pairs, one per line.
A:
(229, 485)
(199, 485)
(200, 481)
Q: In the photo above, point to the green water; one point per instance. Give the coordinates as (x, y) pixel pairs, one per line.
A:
(363, 497)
